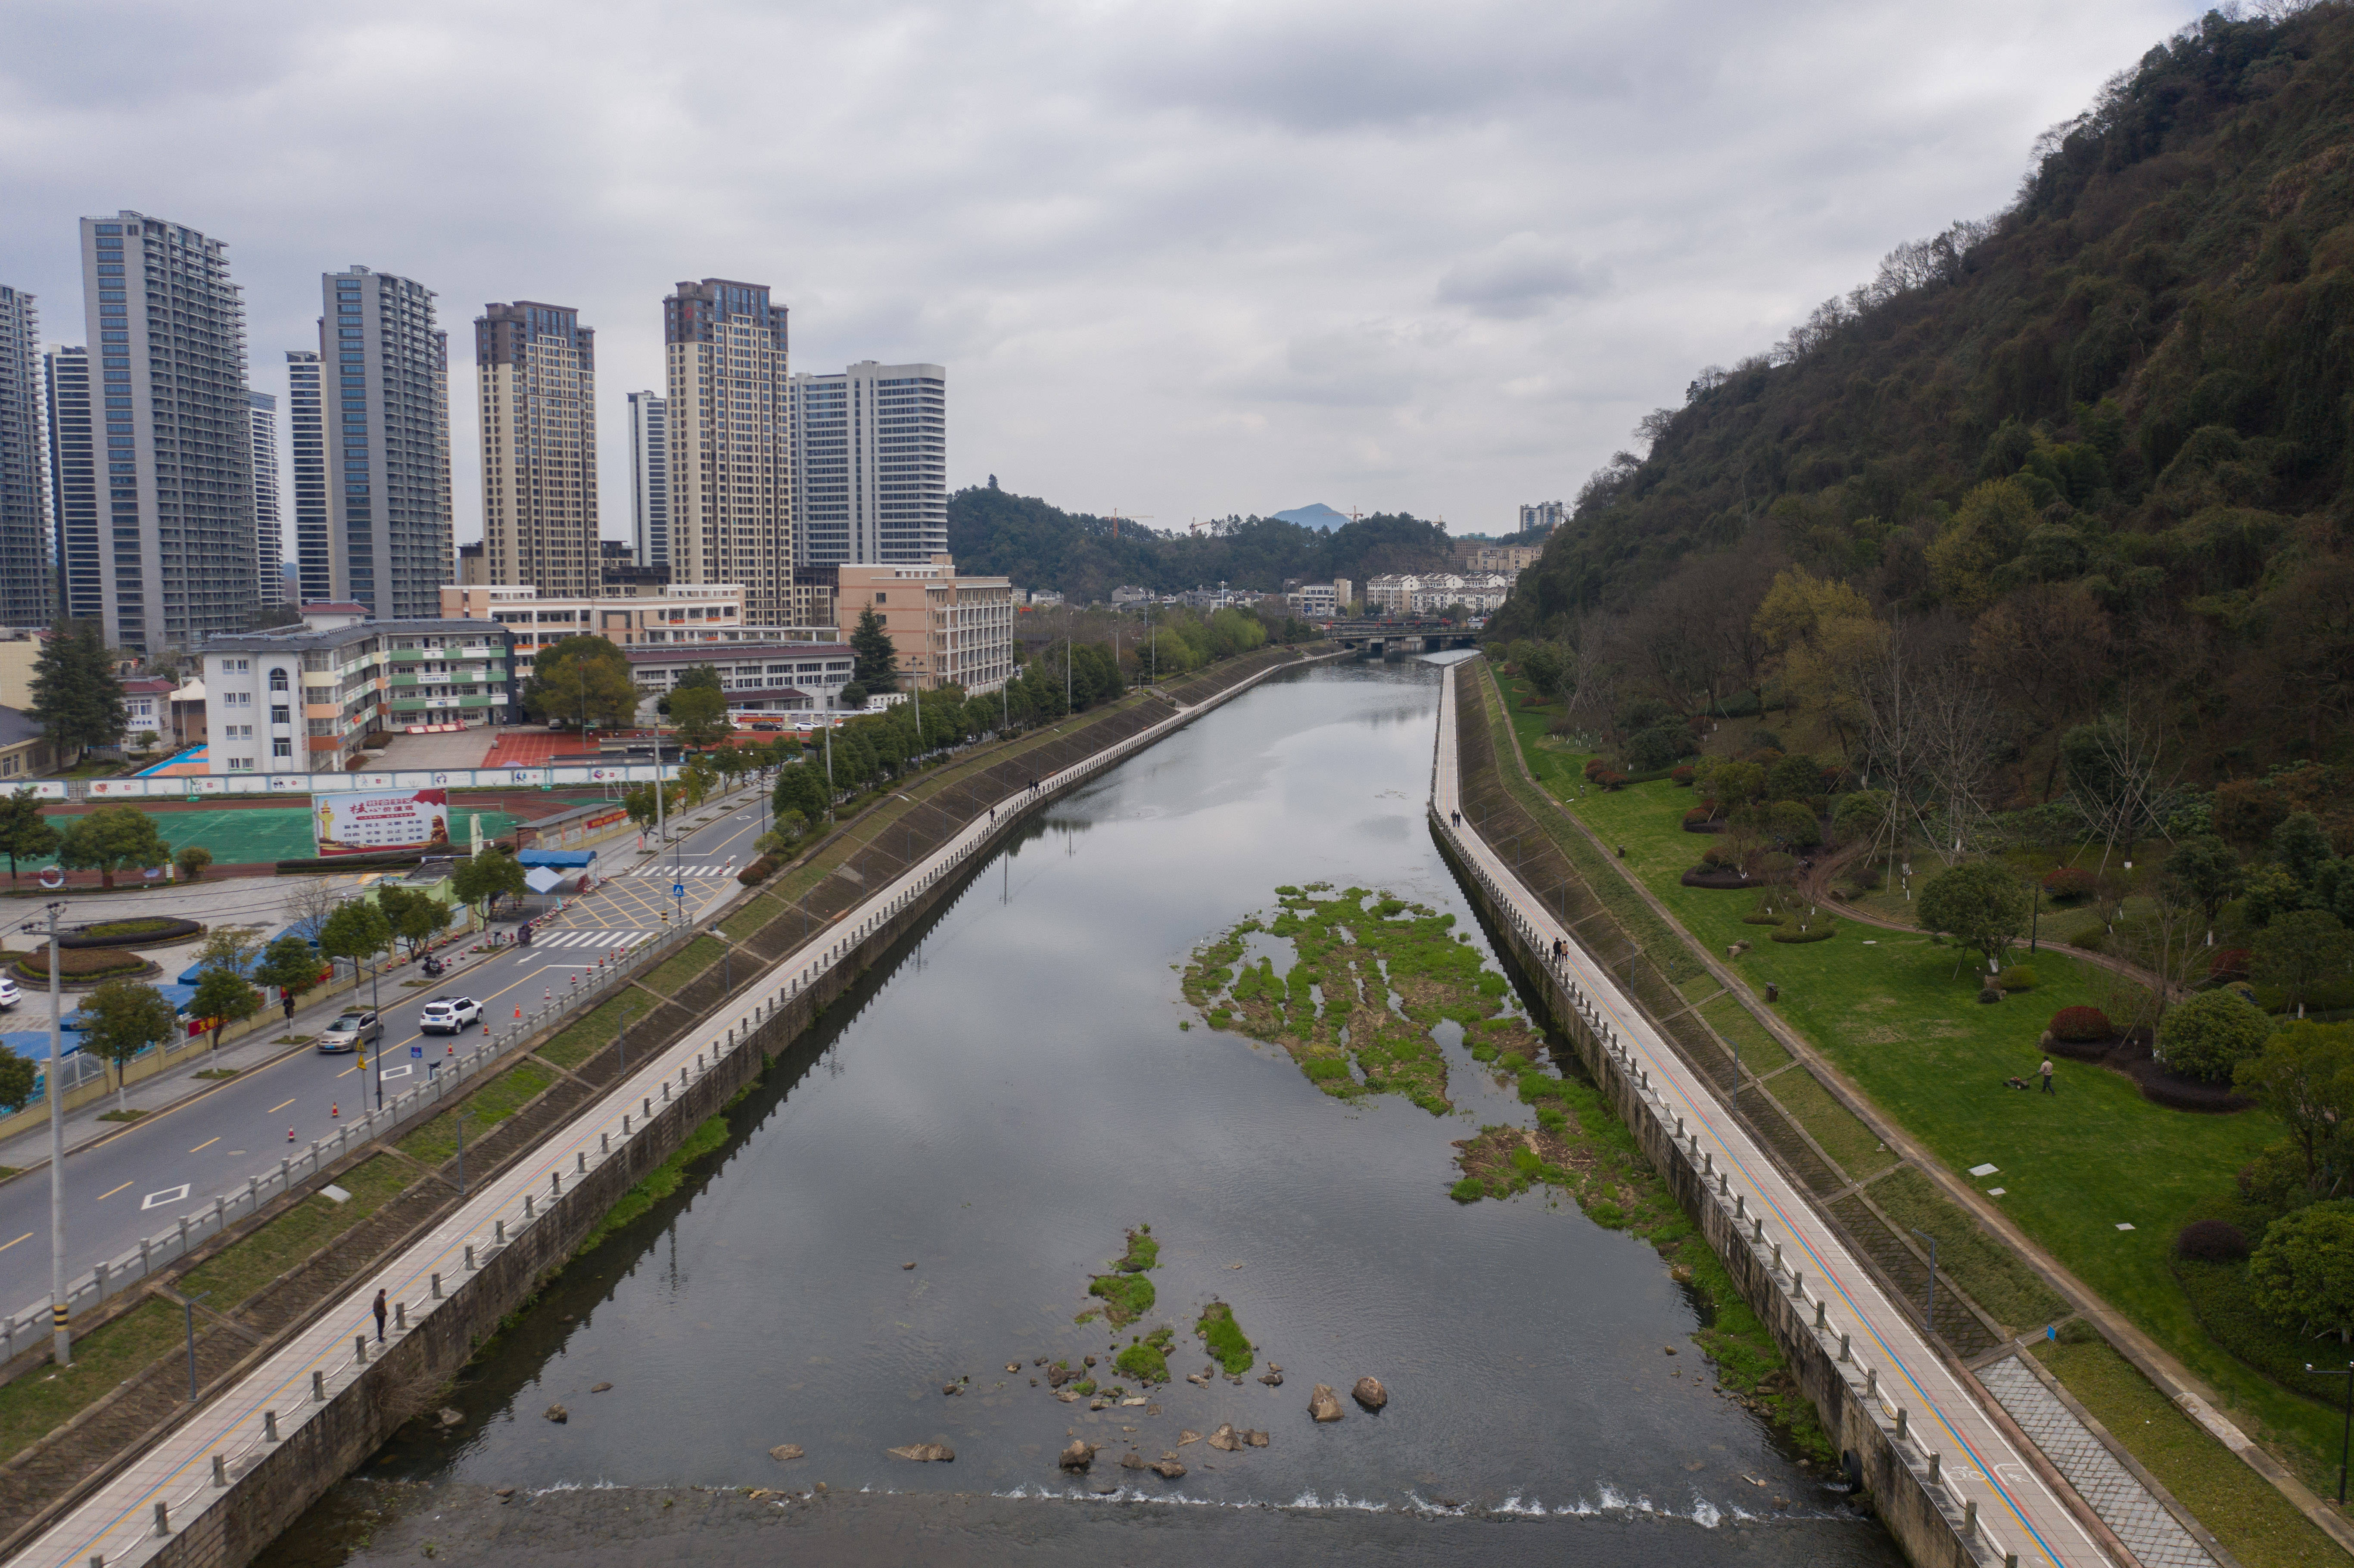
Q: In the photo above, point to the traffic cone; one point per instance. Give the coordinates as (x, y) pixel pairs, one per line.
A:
(289, 1135)
(334, 1111)
(518, 1012)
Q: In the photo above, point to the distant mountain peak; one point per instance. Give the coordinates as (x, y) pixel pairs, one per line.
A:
(1315, 515)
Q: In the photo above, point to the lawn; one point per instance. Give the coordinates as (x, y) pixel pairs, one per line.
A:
(1888, 1012)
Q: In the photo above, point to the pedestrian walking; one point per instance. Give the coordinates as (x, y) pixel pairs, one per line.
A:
(2046, 1071)
(382, 1313)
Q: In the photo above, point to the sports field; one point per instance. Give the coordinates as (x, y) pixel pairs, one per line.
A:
(243, 836)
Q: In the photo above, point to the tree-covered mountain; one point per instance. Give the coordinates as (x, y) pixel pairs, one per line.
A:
(1042, 545)
(2103, 437)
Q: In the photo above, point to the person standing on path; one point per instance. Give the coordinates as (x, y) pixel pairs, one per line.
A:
(382, 1311)
(2046, 1071)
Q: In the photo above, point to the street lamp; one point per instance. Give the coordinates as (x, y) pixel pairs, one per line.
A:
(2346, 1433)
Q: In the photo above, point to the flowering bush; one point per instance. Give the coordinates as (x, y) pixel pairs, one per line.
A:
(1593, 766)
(2069, 882)
(1681, 776)
(2081, 1023)
(1696, 815)
(2229, 964)
(1608, 779)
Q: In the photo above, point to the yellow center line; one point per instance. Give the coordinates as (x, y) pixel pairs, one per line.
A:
(27, 1236)
(207, 1143)
(281, 1105)
(110, 1192)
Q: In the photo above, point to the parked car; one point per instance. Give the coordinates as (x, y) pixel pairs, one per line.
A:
(9, 993)
(449, 1014)
(348, 1034)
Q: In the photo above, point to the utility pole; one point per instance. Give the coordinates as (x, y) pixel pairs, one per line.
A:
(61, 1336)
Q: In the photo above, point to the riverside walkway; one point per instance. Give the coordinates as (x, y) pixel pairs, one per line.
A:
(2016, 1513)
(163, 1493)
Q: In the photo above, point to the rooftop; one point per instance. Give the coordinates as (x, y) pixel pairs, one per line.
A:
(296, 639)
(703, 653)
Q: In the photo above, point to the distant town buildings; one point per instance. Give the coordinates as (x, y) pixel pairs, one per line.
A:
(1508, 560)
(727, 414)
(870, 465)
(1321, 601)
(28, 586)
(1427, 593)
(538, 369)
(778, 676)
(1543, 516)
(949, 629)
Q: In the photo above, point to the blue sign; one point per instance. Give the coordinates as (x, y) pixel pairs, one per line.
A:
(678, 890)
(416, 1051)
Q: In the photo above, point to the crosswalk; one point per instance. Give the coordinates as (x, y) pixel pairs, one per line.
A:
(667, 871)
(589, 938)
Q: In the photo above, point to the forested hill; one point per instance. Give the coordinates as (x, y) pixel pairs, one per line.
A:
(1042, 545)
(2117, 411)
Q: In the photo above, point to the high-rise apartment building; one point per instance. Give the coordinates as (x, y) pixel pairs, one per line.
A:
(269, 538)
(168, 330)
(306, 436)
(27, 592)
(388, 429)
(1543, 516)
(728, 411)
(73, 484)
(538, 369)
(649, 479)
(870, 465)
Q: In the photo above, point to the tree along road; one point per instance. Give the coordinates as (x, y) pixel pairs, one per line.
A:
(140, 1180)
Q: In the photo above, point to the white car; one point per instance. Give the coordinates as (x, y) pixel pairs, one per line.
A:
(449, 1014)
(9, 995)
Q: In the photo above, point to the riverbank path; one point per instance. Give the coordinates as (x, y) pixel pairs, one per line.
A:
(2015, 1508)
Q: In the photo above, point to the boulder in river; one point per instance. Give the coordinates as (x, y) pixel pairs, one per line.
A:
(1370, 1393)
(1167, 1467)
(1225, 1439)
(450, 1417)
(1256, 1439)
(600, 1388)
(785, 1451)
(924, 1451)
(1132, 1460)
(1272, 1378)
(1079, 1455)
(1322, 1404)
(1185, 1437)
(557, 1413)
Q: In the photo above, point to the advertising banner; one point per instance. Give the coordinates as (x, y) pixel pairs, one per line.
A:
(369, 824)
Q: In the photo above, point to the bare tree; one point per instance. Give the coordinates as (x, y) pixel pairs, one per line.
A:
(2046, 649)
(2115, 780)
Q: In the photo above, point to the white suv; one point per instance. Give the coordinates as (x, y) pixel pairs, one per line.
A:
(9, 995)
(449, 1014)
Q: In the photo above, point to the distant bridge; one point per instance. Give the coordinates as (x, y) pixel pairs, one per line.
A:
(1382, 638)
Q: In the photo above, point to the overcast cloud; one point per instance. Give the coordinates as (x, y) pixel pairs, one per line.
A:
(1180, 259)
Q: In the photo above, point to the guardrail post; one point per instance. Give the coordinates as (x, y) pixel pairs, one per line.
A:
(1871, 1374)
(220, 1470)
(1901, 1422)
(401, 1315)
(437, 1287)
(499, 1229)
(1969, 1519)
(359, 1349)
(318, 1391)
(1936, 1464)
(162, 1522)
(470, 1255)
(269, 1426)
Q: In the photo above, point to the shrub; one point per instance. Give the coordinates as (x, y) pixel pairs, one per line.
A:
(2080, 1024)
(1711, 858)
(2019, 976)
(148, 931)
(2212, 1241)
(1822, 928)
(1610, 780)
(1681, 776)
(1697, 817)
(2208, 1035)
(1593, 766)
(758, 871)
(2227, 964)
(2069, 883)
(79, 963)
(1794, 822)
(192, 861)
(1657, 746)
(2302, 1271)
(1796, 777)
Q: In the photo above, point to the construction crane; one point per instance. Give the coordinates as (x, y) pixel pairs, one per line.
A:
(1117, 520)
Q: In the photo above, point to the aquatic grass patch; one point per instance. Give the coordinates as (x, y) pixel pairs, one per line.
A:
(1125, 1296)
(1216, 1329)
(1374, 977)
(1147, 1359)
(660, 1182)
(1142, 1253)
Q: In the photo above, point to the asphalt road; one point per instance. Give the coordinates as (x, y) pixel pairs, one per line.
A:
(138, 1181)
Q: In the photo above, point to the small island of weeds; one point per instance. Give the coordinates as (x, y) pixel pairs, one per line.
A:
(1147, 1359)
(1375, 975)
(1126, 1294)
(1219, 1330)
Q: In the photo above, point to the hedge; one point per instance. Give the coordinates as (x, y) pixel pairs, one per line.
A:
(1822, 928)
(2081, 1023)
(150, 931)
(74, 964)
(759, 871)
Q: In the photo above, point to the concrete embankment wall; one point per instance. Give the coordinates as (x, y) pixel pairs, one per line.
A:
(272, 1490)
(1918, 1513)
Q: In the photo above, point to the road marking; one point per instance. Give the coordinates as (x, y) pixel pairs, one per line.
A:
(165, 1195)
(281, 1105)
(400, 1072)
(6, 1245)
(110, 1192)
(207, 1143)
(349, 1071)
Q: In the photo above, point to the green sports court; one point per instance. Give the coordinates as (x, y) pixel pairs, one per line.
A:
(244, 836)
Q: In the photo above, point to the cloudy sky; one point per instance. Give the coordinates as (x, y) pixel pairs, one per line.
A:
(1184, 261)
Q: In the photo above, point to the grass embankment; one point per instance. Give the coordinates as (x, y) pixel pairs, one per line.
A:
(1374, 978)
(1888, 1011)
(660, 1182)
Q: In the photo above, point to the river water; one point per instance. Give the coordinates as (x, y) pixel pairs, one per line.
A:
(1010, 1092)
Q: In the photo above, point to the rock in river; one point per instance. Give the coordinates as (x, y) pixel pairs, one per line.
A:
(558, 1415)
(1167, 1467)
(1370, 1393)
(1322, 1406)
(784, 1451)
(1226, 1439)
(1079, 1455)
(939, 1451)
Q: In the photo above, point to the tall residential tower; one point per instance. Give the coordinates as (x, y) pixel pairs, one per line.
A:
(27, 592)
(729, 410)
(649, 479)
(537, 367)
(870, 465)
(387, 445)
(169, 329)
(269, 538)
(73, 484)
(306, 432)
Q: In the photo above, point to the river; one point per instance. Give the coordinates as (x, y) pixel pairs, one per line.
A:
(1013, 1090)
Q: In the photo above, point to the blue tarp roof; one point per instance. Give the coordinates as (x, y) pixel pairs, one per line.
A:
(574, 859)
(190, 975)
(33, 1044)
(179, 996)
